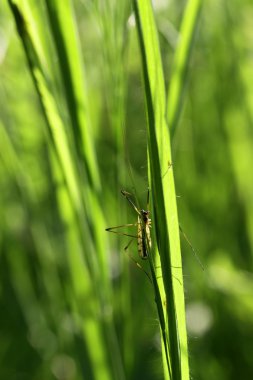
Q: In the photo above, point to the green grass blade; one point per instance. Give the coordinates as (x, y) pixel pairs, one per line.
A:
(181, 60)
(54, 122)
(163, 192)
(82, 245)
(64, 32)
(238, 118)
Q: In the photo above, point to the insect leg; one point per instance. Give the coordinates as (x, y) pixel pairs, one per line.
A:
(111, 229)
(137, 263)
(191, 246)
(126, 195)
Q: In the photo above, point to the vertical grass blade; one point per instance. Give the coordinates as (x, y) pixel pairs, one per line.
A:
(56, 129)
(63, 27)
(181, 60)
(86, 253)
(238, 118)
(163, 194)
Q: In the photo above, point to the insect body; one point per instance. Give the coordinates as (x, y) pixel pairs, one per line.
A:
(144, 239)
(143, 229)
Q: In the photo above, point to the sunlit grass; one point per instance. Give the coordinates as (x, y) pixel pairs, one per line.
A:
(72, 135)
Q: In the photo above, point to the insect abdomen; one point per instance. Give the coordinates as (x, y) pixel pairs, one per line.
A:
(141, 242)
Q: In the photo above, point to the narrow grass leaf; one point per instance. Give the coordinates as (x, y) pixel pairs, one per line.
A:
(64, 32)
(181, 62)
(163, 192)
(96, 331)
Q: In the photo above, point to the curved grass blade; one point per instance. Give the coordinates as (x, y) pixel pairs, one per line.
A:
(163, 195)
(74, 212)
(62, 22)
(181, 60)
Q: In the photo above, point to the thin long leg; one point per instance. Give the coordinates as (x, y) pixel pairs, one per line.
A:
(128, 245)
(111, 229)
(122, 226)
(129, 255)
(193, 250)
(168, 168)
(122, 234)
(136, 262)
(126, 195)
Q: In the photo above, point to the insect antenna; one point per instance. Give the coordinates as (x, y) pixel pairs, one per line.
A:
(191, 246)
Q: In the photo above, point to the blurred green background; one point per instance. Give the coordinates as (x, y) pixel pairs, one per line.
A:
(45, 291)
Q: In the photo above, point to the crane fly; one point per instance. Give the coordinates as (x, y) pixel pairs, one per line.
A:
(143, 228)
(143, 231)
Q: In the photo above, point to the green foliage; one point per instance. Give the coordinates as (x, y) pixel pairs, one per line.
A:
(172, 315)
(79, 83)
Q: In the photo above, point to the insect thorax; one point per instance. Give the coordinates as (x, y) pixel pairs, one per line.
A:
(145, 216)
